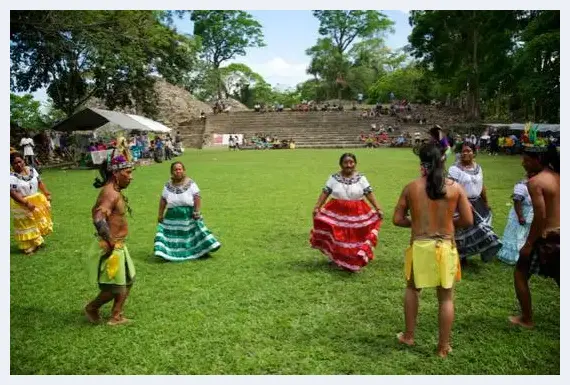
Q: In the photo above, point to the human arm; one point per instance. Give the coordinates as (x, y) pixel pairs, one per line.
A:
(518, 211)
(465, 218)
(44, 190)
(401, 218)
(19, 198)
(484, 197)
(320, 201)
(327, 190)
(520, 192)
(101, 212)
(372, 199)
(197, 205)
(161, 207)
(197, 201)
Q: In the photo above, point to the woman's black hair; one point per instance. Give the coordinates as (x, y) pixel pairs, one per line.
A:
(347, 154)
(431, 160)
(15, 155)
(470, 145)
(105, 176)
(174, 165)
(552, 159)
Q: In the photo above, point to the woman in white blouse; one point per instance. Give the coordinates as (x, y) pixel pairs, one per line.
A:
(31, 209)
(518, 224)
(346, 228)
(181, 233)
(479, 238)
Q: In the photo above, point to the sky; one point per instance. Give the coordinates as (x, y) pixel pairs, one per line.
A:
(283, 62)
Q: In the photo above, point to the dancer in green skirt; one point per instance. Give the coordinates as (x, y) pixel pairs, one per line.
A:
(181, 233)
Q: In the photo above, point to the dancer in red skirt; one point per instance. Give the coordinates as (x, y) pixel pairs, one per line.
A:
(346, 228)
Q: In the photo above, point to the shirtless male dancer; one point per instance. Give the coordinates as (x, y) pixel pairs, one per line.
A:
(541, 252)
(116, 269)
(432, 259)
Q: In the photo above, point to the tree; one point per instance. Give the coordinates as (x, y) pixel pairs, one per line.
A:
(113, 55)
(27, 113)
(536, 72)
(468, 47)
(225, 35)
(339, 30)
(404, 81)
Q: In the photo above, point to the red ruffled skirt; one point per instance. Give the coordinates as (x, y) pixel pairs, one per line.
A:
(346, 232)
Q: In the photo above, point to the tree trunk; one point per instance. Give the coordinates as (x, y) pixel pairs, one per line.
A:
(218, 80)
(475, 107)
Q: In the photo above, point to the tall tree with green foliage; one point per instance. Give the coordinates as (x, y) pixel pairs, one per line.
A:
(226, 35)
(537, 66)
(26, 112)
(113, 55)
(469, 47)
(339, 30)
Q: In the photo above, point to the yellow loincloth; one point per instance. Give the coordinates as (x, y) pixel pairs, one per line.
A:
(433, 263)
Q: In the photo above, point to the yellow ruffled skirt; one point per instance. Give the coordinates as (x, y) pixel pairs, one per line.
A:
(432, 263)
(31, 227)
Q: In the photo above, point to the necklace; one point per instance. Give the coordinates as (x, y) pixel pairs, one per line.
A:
(346, 183)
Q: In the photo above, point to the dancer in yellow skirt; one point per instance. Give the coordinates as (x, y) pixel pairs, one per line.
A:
(31, 209)
(115, 269)
(432, 259)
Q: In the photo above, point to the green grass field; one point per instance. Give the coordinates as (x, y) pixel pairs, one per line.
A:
(266, 303)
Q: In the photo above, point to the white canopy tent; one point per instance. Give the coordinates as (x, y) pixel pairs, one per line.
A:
(93, 119)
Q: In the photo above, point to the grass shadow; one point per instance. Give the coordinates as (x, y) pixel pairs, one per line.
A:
(48, 319)
(154, 260)
(319, 264)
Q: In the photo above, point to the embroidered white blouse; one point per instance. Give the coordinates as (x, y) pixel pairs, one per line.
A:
(177, 196)
(25, 184)
(470, 179)
(342, 188)
(521, 194)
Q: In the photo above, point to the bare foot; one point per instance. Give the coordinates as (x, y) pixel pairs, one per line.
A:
(443, 352)
(118, 321)
(92, 315)
(517, 320)
(30, 250)
(403, 340)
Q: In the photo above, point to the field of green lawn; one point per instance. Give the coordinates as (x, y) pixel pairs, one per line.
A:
(266, 303)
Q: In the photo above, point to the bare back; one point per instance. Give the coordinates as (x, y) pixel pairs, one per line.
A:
(433, 218)
(544, 189)
(111, 205)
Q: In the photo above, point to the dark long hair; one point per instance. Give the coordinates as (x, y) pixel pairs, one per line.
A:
(431, 160)
(552, 159)
(349, 155)
(15, 155)
(174, 165)
(105, 176)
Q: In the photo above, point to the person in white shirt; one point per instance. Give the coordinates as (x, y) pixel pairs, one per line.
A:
(27, 144)
(181, 233)
(345, 229)
(480, 237)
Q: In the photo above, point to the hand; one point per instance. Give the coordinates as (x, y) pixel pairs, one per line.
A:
(316, 210)
(196, 215)
(160, 218)
(522, 221)
(48, 196)
(380, 213)
(30, 206)
(525, 251)
(111, 245)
